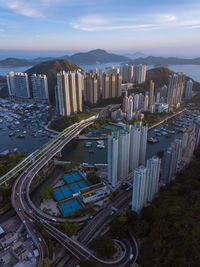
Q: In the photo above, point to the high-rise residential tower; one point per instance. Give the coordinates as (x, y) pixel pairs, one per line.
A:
(153, 165)
(151, 93)
(68, 93)
(21, 85)
(188, 90)
(40, 87)
(140, 188)
(10, 82)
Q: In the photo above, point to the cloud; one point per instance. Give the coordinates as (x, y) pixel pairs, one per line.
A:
(24, 7)
(98, 22)
(2, 30)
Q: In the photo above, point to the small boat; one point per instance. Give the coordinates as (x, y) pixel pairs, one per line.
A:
(88, 144)
(20, 136)
(100, 146)
(91, 151)
(158, 134)
(12, 134)
(152, 140)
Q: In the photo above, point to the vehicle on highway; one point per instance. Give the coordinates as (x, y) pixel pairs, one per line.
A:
(39, 239)
(54, 220)
(131, 257)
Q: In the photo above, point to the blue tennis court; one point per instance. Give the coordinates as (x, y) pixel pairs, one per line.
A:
(57, 194)
(82, 184)
(75, 205)
(76, 176)
(66, 192)
(65, 209)
(75, 188)
(68, 179)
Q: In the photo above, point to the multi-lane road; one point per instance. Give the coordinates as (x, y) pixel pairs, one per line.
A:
(28, 213)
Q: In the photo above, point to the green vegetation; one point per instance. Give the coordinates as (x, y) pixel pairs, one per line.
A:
(71, 165)
(63, 122)
(169, 228)
(4, 196)
(51, 68)
(93, 178)
(88, 209)
(160, 154)
(9, 161)
(46, 262)
(47, 192)
(118, 225)
(71, 228)
(106, 102)
(97, 124)
(153, 118)
(104, 246)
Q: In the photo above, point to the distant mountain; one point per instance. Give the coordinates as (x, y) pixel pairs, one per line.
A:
(15, 62)
(50, 68)
(135, 55)
(97, 56)
(162, 61)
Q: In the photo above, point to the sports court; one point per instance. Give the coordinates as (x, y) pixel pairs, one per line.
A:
(74, 182)
(70, 206)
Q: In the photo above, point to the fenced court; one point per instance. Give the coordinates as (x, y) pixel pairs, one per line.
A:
(57, 194)
(74, 182)
(82, 184)
(70, 206)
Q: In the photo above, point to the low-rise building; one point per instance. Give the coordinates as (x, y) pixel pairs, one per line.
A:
(94, 193)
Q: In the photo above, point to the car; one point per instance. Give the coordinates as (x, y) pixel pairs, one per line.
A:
(91, 217)
(131, 257)
(39, 239)
(54, 220)
(112, 212)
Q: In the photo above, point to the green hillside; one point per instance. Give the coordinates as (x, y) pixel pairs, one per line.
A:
(50, 68)
(160, 77)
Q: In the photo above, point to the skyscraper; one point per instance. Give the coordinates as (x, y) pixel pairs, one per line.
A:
(40, 87)
(140, 188)
(143, 144)
(10, 83)
(170, 161)
(175, 89)
(21, 85)
(153, 165)
(113, 148)
(141, 73)
(130, 108)
(105, 86)
(151, 93)
(111, 86)
(124, 147)
(91, 89)
(188, 90)
(68, 93)
(135, 136)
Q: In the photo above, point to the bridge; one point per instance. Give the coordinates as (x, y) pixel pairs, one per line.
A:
(28, 213)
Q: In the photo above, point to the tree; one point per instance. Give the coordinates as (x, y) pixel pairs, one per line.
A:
(71, 228)
(47, 192)
(118, 225)
(160, 154)
(46, 262)
(104, 246)
(93, 178)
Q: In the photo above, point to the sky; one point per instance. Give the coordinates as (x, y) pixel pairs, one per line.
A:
(156, 27)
